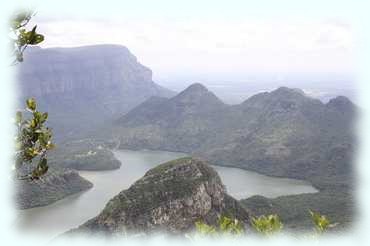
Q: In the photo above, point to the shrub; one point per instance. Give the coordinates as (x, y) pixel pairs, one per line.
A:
(321, 222)
(226, 226)
(267, 225)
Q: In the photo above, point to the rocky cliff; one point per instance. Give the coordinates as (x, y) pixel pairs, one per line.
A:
(84, 87)
(171, 198)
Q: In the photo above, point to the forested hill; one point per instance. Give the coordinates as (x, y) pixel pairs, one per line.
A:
(282, 133)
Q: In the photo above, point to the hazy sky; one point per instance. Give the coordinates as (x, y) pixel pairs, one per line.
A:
(216, 48)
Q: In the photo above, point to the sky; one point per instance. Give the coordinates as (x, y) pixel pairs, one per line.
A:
(214, 48)
(236, 47)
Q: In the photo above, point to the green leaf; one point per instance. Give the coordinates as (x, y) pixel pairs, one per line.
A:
(31, 153)
(33, 123)
(204, 229)
(36, 39)
(44, 139)
(37, 116)
(230, 226)
(31, 104)
(320, 222)
(33, 31)
(31, 37)
(43, 118)
(267, 225)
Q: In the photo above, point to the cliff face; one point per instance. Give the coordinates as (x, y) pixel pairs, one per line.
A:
(83, 87)
(55, 185)
(170, 197)
(90, 68)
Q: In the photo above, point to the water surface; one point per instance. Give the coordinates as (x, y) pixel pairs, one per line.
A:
(76, 209)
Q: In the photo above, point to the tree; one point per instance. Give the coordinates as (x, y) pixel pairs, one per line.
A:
(21, 37)
(33, 139)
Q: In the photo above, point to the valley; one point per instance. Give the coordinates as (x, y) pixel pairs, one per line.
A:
(279, 151)
(106, 184)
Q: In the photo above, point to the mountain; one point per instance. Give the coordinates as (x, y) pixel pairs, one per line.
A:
(181, 123)
(171, 198)
(285, 133)
(194, 102)
(85, 87)
(281, 133)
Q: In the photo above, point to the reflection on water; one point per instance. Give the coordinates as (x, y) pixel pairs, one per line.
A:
(74, 210)
(243, 184)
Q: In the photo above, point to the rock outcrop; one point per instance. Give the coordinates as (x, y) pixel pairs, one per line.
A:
(54, 185)
(171, 198)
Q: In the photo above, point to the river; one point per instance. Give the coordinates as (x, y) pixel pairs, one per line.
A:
(76, 209)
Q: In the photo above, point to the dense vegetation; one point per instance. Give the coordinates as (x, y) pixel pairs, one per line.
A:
(265, 225)
(280, 133)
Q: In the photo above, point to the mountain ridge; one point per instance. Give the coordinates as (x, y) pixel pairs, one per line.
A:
(282, 126)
